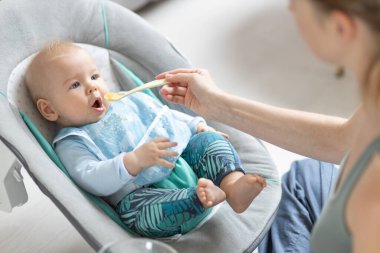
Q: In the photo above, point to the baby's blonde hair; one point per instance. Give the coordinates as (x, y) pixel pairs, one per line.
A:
(35, 73)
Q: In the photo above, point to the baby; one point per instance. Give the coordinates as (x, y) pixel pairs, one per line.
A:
(161, 169)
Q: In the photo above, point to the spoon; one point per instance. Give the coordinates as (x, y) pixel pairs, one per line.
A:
(114, 96)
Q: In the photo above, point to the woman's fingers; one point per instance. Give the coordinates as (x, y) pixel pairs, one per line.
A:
(178, 100)
(174, 94)
(179, 79)
(173, 90)
(175, 99)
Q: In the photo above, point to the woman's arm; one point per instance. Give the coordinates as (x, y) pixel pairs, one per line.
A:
(314, 135)
(318, 136)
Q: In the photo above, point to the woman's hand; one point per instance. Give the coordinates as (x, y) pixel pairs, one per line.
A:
(193, 88)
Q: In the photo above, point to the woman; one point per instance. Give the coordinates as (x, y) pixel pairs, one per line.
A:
(345, 33)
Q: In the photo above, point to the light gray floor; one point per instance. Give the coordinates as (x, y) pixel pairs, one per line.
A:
(251, 48)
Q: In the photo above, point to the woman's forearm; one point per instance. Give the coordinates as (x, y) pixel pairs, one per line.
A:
(313, 135)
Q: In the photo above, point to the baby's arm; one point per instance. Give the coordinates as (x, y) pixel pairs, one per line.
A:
(91, 170)
(102, 177)
(192, 122)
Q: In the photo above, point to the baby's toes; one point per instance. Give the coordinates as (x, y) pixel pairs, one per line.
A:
(209, 204)
(203, 182)
(262, 181)
(201, 192)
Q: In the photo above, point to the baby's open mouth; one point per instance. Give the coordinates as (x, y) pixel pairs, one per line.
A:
(98, 103)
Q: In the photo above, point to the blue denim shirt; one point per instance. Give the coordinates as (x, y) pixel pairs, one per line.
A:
(93, 154)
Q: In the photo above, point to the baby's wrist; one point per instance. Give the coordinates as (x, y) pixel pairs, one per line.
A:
(131, 163)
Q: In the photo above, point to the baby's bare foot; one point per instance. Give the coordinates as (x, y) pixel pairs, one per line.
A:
(209, 194)
(242, 192)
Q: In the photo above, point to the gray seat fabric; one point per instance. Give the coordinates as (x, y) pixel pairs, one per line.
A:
(26, 27)
(134, 5)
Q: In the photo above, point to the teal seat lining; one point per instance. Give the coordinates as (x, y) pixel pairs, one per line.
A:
(190, 177)
(174, 181)
(107, 209)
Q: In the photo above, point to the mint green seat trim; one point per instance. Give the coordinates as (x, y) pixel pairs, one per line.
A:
(104, 16)
(107, 209)
(186, 179)
(134, 78)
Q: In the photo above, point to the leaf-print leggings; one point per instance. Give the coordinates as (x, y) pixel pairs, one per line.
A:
(154, 213)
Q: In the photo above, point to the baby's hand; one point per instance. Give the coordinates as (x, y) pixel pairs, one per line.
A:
(150, 153)
(203, 127)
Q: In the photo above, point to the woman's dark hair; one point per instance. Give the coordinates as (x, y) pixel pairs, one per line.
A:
(369, 12)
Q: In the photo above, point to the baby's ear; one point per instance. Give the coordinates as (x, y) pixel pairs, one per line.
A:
(46, 110)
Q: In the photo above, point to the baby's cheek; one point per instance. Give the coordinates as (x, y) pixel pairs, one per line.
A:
(104, 87)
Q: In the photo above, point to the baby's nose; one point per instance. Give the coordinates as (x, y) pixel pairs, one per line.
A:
(91, 89)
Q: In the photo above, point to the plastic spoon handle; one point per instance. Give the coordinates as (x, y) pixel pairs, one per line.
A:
(112, 96)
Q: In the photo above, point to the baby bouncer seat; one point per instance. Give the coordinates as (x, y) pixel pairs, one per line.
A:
(128, 51)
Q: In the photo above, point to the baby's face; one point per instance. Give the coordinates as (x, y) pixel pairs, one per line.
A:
(76, 89)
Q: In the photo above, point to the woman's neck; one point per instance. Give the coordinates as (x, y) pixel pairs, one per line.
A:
(360, 54)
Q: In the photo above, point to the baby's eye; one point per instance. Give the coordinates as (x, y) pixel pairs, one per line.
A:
(94, 76)
(74, 85)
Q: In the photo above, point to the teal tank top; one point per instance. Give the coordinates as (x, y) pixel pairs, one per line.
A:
(330, 233)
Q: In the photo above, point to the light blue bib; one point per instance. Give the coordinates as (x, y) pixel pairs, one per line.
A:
(128, 124)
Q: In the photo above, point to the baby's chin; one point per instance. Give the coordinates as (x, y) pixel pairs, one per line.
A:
(96, 119)
(81, 123)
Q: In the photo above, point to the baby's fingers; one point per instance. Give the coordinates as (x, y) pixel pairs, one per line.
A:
(167, 153)
(223, 134)
(166, 144)
(160, 139)
(165, 163)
